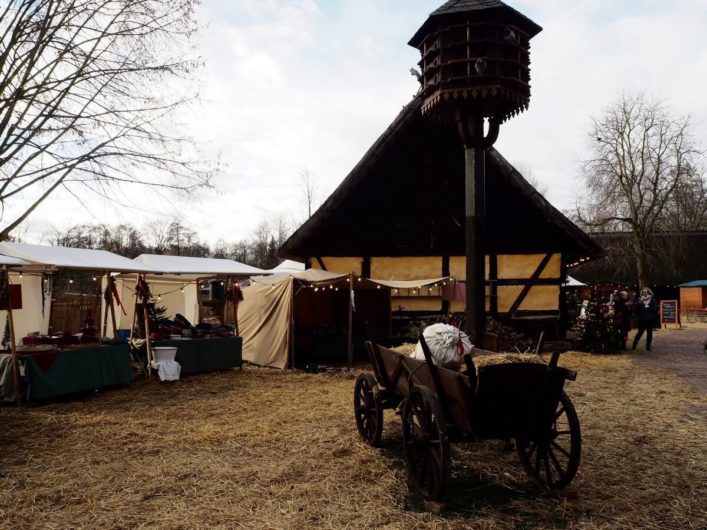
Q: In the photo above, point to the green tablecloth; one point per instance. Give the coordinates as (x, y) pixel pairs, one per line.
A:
(206, 355)
(79, 370)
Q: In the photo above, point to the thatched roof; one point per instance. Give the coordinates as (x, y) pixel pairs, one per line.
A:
(676, 257)
(406, 198)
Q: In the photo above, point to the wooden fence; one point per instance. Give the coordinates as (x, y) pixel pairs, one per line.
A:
(69, 314)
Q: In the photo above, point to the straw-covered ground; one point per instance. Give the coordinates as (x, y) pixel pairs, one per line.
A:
(270, 449)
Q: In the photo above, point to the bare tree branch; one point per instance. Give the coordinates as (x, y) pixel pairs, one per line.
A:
(644, 177)
(84, 99)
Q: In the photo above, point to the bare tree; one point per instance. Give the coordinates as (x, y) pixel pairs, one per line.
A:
(309, 191)
(643, 158)
(156, 233)
(532, 179)
(84, 99)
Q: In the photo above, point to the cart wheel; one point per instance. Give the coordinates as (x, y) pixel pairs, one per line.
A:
(553, 462)
(425, 443)
(368, 409)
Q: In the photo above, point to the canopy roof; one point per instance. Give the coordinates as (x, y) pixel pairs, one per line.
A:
(288, 266)
(308, 276)
(45, 257)
(12, 262)
(572, 282)
(186, 265)
(696, 283)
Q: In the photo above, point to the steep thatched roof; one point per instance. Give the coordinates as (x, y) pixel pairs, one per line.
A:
(406, 198)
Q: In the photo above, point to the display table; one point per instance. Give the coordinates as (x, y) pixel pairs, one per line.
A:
(206, 355)
(78, 370)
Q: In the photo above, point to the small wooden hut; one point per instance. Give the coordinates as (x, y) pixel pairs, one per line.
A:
(399, 215)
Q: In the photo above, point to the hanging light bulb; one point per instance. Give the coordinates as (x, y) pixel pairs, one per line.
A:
(20, 276)
(71, 280)
(95, 279)
(316, 289)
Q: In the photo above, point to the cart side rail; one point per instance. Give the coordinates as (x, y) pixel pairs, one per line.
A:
(455, 390)
(391, 372)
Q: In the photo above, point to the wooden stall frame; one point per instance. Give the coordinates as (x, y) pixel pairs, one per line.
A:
(13, 343)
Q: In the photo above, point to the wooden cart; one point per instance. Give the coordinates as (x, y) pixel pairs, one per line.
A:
(521, 401)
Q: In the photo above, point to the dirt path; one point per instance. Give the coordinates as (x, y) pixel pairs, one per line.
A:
(680, 351)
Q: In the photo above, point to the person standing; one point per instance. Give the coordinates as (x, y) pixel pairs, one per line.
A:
(647, 312)
(622, 317)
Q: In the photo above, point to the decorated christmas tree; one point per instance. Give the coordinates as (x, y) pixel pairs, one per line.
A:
(595, 329)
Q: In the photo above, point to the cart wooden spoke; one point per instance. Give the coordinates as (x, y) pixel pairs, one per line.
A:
(552, 457)
(368, 409)
(524, 401)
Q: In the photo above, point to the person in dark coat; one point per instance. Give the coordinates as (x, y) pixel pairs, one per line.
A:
(646, 312)
(622, 316)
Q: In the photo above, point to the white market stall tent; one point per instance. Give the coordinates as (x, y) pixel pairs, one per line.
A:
(40, 261)
(9, 366)
(284, 315)
(288, 267)
(176, 282)
(192, 306)
(67, 363)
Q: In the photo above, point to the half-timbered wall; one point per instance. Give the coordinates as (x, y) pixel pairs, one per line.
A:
(517, 284)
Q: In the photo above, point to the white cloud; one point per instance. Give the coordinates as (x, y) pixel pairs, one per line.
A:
(297, 84)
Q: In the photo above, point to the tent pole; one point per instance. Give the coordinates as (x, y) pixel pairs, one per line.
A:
(13, 344)
(111, 305)
(148, 344)
(198, 301)
(236, 293)
(99, 304)
(104, 329)
(132, 328)
(349, 352)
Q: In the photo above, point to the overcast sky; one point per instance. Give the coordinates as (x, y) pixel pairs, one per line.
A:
(308, 85)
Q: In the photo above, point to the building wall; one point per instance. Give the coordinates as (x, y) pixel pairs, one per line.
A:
(513, 272)
(693, 298)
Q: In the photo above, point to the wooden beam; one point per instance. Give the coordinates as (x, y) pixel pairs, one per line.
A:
(493, 281)
(349, 342)
(527, 281)
(526, 289)
(13, 343)
(366, 267)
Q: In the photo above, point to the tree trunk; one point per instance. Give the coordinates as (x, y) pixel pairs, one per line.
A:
(641, 256)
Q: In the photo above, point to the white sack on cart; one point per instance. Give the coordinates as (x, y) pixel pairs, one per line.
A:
(444, 341)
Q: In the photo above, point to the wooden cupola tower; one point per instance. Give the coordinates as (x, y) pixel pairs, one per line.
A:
(475, 69)
(475, 56)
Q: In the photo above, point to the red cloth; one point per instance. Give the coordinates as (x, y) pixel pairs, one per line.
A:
(454, 292)
(43, 358)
